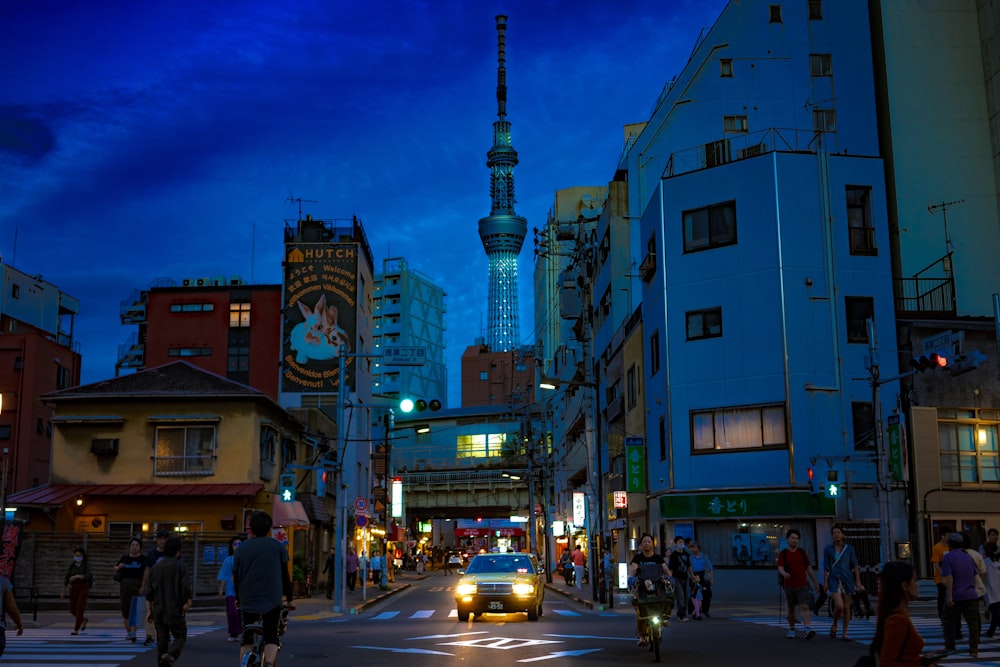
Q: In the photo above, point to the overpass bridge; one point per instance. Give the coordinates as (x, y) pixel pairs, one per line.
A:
(463, 494)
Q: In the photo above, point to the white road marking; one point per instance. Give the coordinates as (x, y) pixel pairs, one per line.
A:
(561, 654)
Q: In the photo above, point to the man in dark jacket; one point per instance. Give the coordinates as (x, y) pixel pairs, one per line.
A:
(680, 565)
(169, 596)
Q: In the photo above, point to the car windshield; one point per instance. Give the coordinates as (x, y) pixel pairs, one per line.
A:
(484, 564)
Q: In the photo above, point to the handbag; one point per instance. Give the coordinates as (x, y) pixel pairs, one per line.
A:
(117, 576)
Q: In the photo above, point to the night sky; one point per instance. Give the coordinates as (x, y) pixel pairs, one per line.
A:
(142, 139)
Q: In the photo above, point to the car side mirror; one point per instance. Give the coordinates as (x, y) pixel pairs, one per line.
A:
(461, 571)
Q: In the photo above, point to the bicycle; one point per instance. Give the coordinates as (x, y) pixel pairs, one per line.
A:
(255, 656)
(653, 601)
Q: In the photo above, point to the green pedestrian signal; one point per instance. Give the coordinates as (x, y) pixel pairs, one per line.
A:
(286, 488)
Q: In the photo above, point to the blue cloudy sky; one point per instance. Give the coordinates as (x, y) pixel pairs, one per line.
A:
(162, 138)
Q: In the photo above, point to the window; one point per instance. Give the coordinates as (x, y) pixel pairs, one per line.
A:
(238, 360)
(968, 447)
(184, 450)
(289, 451)
(863, 421)
(268, 448)
(654, 353)
(4, 431)
(484, 375)
(123, 530)
(775, 13)
(663, 438)
(859, 220)
(631, 387)
(189, 352)
(15, 291)
(820, 64)
(704, 324)
(717, 152)
(191, 307)
(239, 315)
(710, 227)
(815, 10)
(62, 377)
(481, 445)
(824, 120)
(726, 67)
(859, 310)
(734, 123)
(725, 429)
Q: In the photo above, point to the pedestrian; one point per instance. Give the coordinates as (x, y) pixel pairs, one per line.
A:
(696, 597)
(452, 560)
(701, 567)
(154, 555)
(377, 564)
(645, 563)
(234, 624)
(579, 563)
(937, 555)
(992, 582)
(897, 642)
(169, 596)
(958, 571)
(992, 535)
(680, 566)
(130, 571)
(330, 566)
(78, 581)
(9, 609)
(566, 566)
(261, 579)
(796, 571)
(841, 578)
(351, 565)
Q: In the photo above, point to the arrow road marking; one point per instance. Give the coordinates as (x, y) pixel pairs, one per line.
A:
(404, 650)
(561, 654)
(503, 643)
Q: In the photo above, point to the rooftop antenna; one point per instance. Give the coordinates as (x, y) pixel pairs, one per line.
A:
(944, 214)
(299, 200)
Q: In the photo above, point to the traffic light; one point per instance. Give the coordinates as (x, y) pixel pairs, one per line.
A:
(832, 485)
(929, 361)
(812, 482)
(286, 488)
(408, 405)
(964, 363)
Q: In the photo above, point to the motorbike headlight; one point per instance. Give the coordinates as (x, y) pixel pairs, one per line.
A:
(524, 589)
(466, 589)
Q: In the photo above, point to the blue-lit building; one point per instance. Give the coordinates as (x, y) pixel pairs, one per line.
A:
(765, 246)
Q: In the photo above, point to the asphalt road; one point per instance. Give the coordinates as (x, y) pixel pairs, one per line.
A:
(418, 625)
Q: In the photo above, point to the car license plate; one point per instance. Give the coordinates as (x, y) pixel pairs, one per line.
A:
(496, 605)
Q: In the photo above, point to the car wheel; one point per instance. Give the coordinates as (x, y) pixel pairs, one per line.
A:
(463, 615)
(533, 614)
(478, 614)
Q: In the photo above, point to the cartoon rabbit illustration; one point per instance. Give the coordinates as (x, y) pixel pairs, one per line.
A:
(311, 338)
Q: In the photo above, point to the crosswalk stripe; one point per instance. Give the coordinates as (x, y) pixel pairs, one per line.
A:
(54, 646)
(385, 616)
(453, 612)
(423, 613)
(565, 612)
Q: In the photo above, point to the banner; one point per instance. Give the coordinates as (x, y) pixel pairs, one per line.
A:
(897, 452)
(320, 315)
(13, 532)
(635, 465)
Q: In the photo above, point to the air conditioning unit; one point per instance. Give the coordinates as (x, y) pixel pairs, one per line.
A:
(104, 446)
(187, 282)
(204, 281)
(751, 151)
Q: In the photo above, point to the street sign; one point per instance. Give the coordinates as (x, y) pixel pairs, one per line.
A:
(361, 504)
(400, 355)
(360, 521)
(635, 465)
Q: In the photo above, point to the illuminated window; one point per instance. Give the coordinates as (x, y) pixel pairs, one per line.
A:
(239, 315)
(184, 450)
(738, 428)
(481, 445)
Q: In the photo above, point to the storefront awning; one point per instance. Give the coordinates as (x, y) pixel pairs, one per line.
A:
(315, 508)
(289, 515)
(57, 494)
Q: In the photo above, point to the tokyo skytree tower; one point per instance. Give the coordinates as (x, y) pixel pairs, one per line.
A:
(502, 231)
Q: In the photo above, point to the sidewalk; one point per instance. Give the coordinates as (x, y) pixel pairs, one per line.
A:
(212, 611)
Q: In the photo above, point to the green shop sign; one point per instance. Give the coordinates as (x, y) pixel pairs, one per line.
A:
(746, 505)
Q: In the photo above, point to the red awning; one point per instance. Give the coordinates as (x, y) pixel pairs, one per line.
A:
(57, 494)
(288, 515)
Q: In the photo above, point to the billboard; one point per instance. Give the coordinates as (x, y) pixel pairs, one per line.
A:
(320, 315)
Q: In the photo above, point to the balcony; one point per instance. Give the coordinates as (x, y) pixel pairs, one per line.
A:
(647, 269)
(926, 296)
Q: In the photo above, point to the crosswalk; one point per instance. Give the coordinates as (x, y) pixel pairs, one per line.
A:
(93, 648)
(863, 631)
(430, 614)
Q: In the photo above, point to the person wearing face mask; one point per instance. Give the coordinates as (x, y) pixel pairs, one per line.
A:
(78, 581)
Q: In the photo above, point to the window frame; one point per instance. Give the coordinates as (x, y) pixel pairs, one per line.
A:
(853, 326)
(687, 219)
(185, 470)
(707, 333)
(861, 238)
(815, 10)
(820, 65)
(829, 120)
(863, 415)
(979, 452)
(774, 14)
(239, 315)
(735, 124)
(720, 413)
(654, 353)
(726, 68)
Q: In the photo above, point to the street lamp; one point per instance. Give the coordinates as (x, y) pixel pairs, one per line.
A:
(597, 591)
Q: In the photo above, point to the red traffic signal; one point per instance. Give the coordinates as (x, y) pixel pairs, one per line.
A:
(929, 361)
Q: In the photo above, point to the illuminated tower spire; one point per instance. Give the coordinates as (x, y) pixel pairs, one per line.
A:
(502, 231)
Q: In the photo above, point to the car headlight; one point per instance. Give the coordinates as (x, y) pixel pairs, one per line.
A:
(524, 589)
(466, 589)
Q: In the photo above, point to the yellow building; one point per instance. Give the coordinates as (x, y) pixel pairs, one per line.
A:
(173, 447)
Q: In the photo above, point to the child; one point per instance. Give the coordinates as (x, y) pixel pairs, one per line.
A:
(696, 600)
